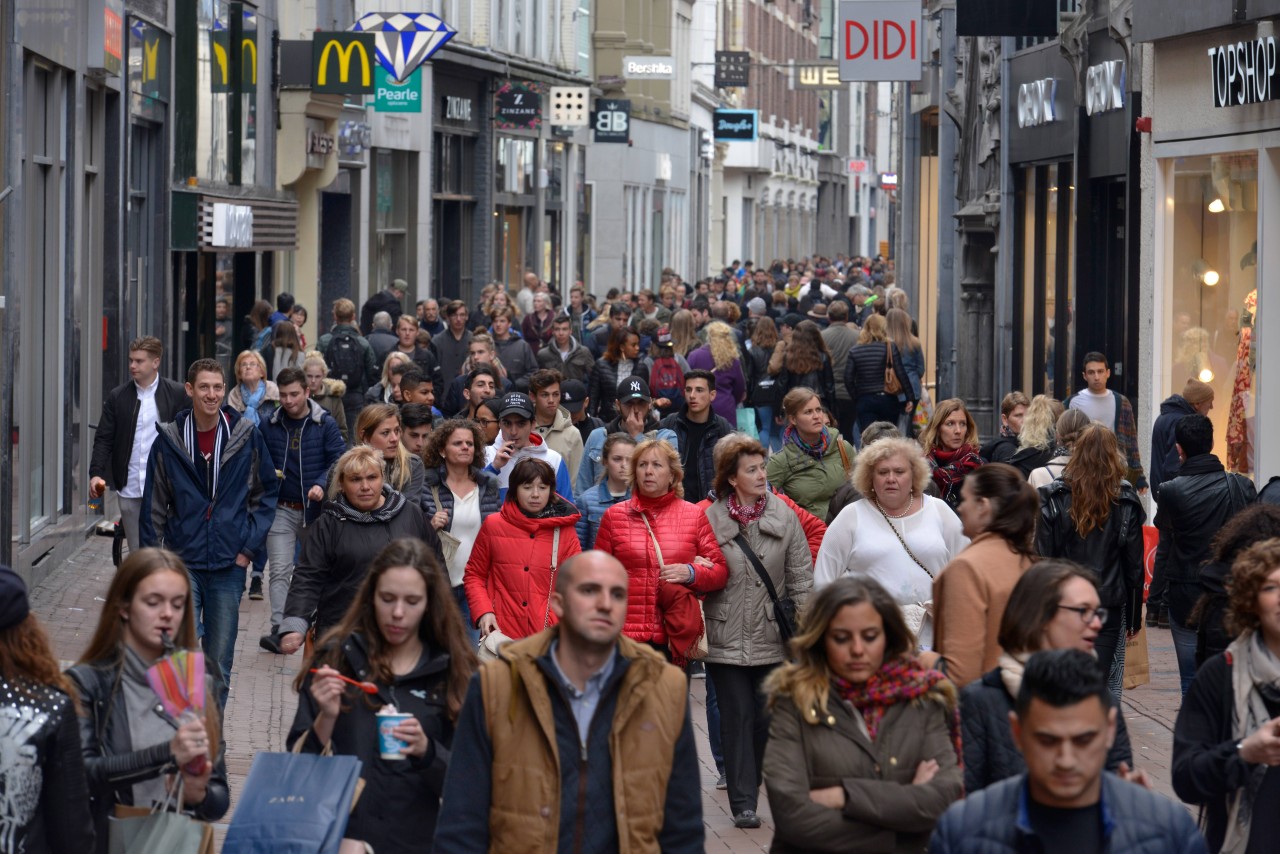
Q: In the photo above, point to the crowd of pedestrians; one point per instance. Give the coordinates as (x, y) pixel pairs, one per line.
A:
(523, 526)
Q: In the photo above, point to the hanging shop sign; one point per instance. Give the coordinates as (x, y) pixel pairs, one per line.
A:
(518, 106)
(735, 125)
(733, 68)
(888, 180)
(648, 67)
(232, 226)
(1007, 18)
(1104, 87)
(1036, 103)
(342, 63)
(1245, 72)
(392, 96)
(859, 167)
(611, 121)
(881, 40)
(569, 106)
(404, 40)
(811, 77)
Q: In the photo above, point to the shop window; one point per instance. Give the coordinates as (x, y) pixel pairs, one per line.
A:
(1045, 267)
(393, 183)
(514, 172)
(1212, 273)
(454, 164)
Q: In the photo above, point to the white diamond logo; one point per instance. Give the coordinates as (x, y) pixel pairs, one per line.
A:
(404, 40)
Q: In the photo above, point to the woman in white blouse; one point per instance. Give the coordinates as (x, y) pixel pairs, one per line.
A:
(896, 534)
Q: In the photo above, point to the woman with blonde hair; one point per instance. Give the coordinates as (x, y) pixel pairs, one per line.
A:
(897, 534)
(1036, 442)
(1070, 425)
(684, 335)
(951, 446)
(385, 390)
(1093, 516)
(720, 356)
(325, 391)
(864, 741)
(379, 427)
(899, 327)
(252, 388)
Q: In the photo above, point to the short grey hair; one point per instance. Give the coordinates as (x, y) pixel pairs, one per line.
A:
(382, 320)
(876, 453)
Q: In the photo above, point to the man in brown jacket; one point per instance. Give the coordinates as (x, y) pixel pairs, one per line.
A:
(577, 739)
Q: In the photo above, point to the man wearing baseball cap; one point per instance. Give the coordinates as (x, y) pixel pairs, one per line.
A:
(573, 397)
(517, 440)
(635, 418)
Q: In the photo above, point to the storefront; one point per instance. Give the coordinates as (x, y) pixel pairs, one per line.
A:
(459, 187)
(1216, 145)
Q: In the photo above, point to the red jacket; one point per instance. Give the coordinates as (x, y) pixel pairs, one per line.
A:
(683, 532)
(509, 572)
(814, 528)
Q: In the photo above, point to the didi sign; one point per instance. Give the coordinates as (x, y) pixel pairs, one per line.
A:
(390, 96)
(880, 40)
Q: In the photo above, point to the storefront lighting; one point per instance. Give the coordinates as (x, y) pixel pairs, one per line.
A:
(1206, 376)
(1205, 273)
(1216, 206)
(1210, 277)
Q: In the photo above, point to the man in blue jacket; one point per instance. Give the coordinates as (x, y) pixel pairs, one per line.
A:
(1064, 725)
(210, 496)
(304, 441)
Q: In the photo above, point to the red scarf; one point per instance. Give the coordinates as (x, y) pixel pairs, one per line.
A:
(896, 682)
(950, 467)
(745, 515)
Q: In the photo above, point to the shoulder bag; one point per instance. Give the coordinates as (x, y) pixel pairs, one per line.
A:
(891, 384)
(700, 649)
(448, 542)
(784, 608)
(918, 616)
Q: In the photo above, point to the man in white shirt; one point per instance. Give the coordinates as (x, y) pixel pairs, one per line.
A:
(518, 440)
(127, 428)
(1112, 410)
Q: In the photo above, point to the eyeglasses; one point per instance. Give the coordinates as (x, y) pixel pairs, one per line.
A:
(1087, 614)
(487, 421)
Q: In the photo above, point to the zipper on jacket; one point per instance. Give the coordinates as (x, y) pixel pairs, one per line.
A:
(581, 830)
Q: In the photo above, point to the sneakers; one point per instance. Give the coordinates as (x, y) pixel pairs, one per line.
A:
(255, 587)
(722, 783)
(746, 819)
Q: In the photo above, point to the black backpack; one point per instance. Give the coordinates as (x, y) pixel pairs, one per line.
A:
(345, 358)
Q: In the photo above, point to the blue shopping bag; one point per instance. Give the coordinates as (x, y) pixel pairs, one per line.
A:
(294, 803)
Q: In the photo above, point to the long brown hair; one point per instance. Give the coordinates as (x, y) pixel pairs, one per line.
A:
(1033, 602)
(1094, 473)
(613, 350)
(766, 332)
(1015, 504)
(805, 352)
(26, 657)
(441, 627)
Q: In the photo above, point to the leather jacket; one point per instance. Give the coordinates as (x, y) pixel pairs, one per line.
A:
(1193, 507)
(111, 763)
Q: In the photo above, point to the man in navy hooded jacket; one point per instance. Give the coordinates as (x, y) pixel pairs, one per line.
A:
(211, 497)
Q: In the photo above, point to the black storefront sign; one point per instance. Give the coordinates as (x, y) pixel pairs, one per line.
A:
(1245, 72)
(611, 121)
(517, 106)
(735, 125)
(1007, 18)
(733, 68)
(342, 63)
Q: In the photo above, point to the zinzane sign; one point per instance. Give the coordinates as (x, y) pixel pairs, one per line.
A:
(1036, 103)
(1104, 87)
(1245, 72)
(880, 40)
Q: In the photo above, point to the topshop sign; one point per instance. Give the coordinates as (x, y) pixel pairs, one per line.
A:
(1245, 72)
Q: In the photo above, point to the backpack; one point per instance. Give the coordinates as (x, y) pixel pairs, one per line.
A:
(666, 379)
(345, 358)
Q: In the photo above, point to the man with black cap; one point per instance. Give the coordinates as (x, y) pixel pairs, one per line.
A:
(635, 418)
(573, 397)
(517, 440)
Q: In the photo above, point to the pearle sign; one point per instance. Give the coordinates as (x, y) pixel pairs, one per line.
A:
(1244, 72)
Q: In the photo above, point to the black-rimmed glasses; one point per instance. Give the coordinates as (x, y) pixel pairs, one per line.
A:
(1087, 614)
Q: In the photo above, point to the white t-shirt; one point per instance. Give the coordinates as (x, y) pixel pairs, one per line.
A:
(1099, 407)
(466, 527)
(859, 542)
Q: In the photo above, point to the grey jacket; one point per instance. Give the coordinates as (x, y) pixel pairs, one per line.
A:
(741, 628)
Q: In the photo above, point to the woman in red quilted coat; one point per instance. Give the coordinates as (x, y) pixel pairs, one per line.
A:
(661, 607)
(509, 576)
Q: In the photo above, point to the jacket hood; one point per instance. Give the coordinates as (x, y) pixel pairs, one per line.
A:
(559, 514)
(391, 507)
(315, 413)
(337, 388)
(563, 421)
(356, 650)
(513, 335)
(1175, 403)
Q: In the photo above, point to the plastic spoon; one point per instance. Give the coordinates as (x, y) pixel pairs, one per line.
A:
(367, 687)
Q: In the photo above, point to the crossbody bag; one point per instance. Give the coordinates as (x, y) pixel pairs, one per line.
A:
(784, 608)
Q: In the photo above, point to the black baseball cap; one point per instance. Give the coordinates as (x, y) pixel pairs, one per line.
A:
(632, 388)
(572, 395)
(515, 403)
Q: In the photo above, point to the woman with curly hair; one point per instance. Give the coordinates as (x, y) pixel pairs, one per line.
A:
(807, 364)
(497, 299)
(1251, 525)
(1226, 752)
(1037, 441)
(1093, 516)
(864, 742)
(951, 447)
(720, 356)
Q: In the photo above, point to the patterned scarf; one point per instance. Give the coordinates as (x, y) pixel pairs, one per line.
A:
(818, 451)
(950, 467)
(1255, 678)
(744, 516)
(895, 682)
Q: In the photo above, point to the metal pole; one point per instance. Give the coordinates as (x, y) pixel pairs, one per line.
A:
(948, 269)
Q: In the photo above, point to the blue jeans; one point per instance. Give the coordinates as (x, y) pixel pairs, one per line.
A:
(217, 594)
(764, 414)
(460, 596)
(877, 407)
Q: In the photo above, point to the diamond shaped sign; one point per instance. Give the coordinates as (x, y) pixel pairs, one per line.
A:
(570, 106)
(404, 40)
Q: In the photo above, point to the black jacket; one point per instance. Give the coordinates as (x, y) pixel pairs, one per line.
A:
(111, 763)
(401, 799)
(1027, 460)
(678, 423)
(989, 752)
(864, 371)
(760, 382)
(113, 441)
(602, 388)
(1001, 449)
(1113, 551)
(822, 381)
(1212, 636)
(1164, 451)
(1193, 508)
(383, 300)
(336, 553)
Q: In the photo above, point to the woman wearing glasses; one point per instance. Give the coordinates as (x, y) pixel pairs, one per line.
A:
(1053, 606)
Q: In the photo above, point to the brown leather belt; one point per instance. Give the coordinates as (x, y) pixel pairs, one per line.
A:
(292, 505)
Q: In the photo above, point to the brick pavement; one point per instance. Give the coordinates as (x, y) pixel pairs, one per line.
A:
(263, 701)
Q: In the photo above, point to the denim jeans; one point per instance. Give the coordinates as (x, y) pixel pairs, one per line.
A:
(282, 542)
(764, 415)
(460, 596)
(217, 594)
(877, 407)
(1180, 599)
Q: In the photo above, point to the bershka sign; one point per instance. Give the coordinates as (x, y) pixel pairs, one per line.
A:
(880, 40)
(1245, 72)
(1104, 87)
(648, 67)
(735, 125)
(1036, 103)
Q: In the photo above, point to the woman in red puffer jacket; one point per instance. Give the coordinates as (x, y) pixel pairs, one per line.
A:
(661, 609)
(509, 577)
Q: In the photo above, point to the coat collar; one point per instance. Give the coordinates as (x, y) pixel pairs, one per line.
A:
(725, 527)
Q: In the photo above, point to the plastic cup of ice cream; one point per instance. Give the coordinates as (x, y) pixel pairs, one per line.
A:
(388, 745)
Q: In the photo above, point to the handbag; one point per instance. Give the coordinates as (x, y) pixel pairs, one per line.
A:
(700, 649)
(295, 802)
(138, 830)
(784, 608)
(492, 643)
(891, 384)
(448, 542)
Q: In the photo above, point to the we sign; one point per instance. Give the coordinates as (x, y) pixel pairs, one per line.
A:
(880, 40)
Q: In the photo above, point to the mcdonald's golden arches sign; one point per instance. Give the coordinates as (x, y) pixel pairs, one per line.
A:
(342, 63)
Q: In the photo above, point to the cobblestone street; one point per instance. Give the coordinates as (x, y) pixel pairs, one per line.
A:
(263, 701)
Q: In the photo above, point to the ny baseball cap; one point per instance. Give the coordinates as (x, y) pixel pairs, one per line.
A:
(632, 388)
(572, 395)
(515, 403)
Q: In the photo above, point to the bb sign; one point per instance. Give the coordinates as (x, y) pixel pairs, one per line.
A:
(1245, 72)
(880, 40)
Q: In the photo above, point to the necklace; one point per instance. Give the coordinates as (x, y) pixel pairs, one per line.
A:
(910, 503)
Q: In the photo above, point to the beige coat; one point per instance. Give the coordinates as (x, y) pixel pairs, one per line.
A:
(883, 812)
(741, 629)
(563, 438)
